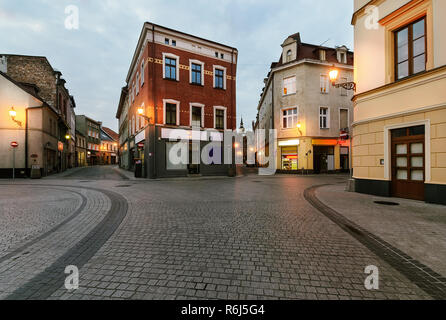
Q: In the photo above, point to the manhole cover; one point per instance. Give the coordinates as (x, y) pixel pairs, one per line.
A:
(387, 203)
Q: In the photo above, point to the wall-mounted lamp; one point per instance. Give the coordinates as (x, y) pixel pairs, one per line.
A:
(13, 114)
(334, 75)
(299, 126)
(141, 114)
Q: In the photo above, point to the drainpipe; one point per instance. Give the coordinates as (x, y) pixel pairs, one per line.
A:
(26, 143)
(155, 113)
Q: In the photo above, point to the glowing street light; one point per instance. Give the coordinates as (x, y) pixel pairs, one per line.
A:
(12, 113)
(334, 75)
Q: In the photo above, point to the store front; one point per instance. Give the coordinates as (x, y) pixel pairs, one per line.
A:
(289, 158)
(289, 154)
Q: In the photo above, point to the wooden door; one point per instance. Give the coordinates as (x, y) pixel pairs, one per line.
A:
(408, 166)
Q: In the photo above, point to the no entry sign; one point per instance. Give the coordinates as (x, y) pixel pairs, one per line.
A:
(14, 144)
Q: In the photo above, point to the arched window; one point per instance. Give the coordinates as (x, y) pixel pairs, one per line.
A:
(288, 56)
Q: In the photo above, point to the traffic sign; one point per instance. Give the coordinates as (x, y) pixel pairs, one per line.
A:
(14, 144)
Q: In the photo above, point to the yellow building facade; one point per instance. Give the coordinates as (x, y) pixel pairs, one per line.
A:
(399, 129)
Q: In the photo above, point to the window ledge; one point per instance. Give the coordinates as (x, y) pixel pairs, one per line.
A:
(196, 84)
(169, 79)
(220, 88)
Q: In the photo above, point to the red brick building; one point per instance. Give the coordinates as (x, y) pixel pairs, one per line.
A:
(179, 81)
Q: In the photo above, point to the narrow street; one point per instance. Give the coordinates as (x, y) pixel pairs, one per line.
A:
(250, 237)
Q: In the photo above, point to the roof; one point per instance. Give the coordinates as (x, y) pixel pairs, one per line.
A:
(149, 25)
(26, 89)
(112, 134)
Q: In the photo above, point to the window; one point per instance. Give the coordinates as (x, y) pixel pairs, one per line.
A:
(343, 119)
(216, 54)
(322, 55)
(142, 73)
(288, 56)
(137, 83)
(196, 116)
(222, 56)
(219, 78)
(166, 41)
(174, 43)
(289, 118)
(220, 118)
(196, 73)
(170, 68)
(410, 49)
(171, 114)
(324, 118)
(324, 83)
(289, 86)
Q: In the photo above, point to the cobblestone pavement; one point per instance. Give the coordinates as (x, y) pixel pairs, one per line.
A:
(412, 226)
(237, 238)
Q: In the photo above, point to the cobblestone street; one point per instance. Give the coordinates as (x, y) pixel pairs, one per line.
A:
(250, 237)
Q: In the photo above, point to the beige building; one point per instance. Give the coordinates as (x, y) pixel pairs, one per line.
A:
(309, 114)
(399, 130)
(30, 122)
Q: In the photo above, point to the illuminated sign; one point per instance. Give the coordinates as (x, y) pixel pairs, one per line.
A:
(325, 142)
(60, 146)
(289, 143)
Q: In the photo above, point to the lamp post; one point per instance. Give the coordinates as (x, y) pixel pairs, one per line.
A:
(334, 74)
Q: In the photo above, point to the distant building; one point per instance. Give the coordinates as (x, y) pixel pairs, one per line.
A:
(109, 146)
(180, 81)
(91, 129)
(125, 156)
(399, 133)
(81, 150)
(309, 114)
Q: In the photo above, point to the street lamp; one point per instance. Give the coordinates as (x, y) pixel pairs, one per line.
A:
(67, 137)
(141, 114)
(334, 74)
(299, 126)
(13, 114)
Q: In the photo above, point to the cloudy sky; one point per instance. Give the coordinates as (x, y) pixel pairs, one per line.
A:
(95, 58)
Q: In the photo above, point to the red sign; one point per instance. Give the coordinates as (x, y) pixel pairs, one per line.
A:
(291, 157)
(141, 145)
(14, 144)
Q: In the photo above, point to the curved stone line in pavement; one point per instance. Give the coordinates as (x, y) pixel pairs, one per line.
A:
(424, 277)
(43, 285)
(44, 235)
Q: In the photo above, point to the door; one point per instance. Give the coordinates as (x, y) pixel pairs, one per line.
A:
(408, 164)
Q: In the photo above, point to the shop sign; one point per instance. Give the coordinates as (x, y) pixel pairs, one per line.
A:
(325, 142)
(140, 136)
(289, 143)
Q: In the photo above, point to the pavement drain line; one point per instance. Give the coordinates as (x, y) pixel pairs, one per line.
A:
(428, 280)
(43, 285)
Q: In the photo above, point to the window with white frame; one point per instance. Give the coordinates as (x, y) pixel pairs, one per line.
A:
(171, 65)
(196, 115)
(137, 83)
(289, 118)
(133, 125)
(219, 77)
(324, 118)
(289, 86)
(343, 119)
(288, 56)
(322, 55)
(325, 88)
(196, 72)
(171, 112)
(220, 118)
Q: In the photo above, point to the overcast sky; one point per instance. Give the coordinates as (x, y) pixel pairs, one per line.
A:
(95, 58)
